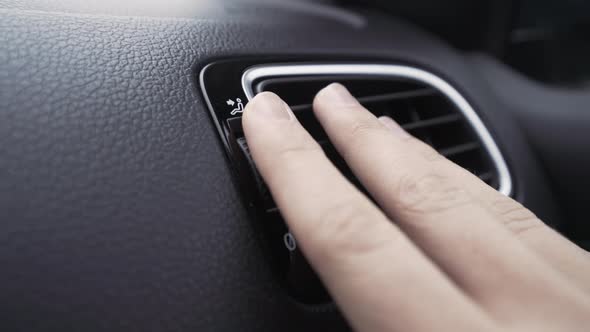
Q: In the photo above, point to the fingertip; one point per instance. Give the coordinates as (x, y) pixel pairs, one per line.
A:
(335, 94)
(265, 95)
(268, 106)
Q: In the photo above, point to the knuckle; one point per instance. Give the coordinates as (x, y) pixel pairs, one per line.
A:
(361, 135)
(426, 151)
(341, 227)
(430, 193)
(360, 128)
(514, 216)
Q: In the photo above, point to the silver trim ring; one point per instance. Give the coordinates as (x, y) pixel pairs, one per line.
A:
(256, 73)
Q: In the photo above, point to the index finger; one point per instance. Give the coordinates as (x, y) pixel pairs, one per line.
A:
(371, 269)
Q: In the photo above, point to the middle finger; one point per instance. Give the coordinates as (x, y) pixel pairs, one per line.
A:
(435, 208)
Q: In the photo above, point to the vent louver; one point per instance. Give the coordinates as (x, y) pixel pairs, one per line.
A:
(422, 110)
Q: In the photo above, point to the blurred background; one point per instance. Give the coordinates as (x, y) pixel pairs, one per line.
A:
(547, 40)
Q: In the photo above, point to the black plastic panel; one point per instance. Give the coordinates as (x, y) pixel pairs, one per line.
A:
(221, 82)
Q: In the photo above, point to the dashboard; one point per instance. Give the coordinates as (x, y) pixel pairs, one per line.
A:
(120, 206)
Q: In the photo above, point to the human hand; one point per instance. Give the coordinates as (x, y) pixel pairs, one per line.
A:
(459, 257)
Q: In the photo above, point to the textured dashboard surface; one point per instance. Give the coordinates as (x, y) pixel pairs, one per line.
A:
(118, 211)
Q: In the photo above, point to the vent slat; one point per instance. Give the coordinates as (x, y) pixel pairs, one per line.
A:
(396, 95)
(388, 97)
(419, 124)
(421, 110)
(454, 150)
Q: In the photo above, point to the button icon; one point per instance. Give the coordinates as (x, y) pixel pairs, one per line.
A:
(289, 241)
(239, 106)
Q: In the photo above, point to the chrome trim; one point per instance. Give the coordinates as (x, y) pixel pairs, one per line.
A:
(255, 73)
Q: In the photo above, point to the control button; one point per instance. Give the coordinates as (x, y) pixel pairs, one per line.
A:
(261, 186)
(301, 278)
(235, 126)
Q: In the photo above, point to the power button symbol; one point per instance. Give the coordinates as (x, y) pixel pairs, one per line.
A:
(289, 241)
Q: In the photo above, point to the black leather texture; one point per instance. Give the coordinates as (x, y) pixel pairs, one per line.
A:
(118, 211)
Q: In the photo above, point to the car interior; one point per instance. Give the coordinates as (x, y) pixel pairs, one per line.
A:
(129, 200)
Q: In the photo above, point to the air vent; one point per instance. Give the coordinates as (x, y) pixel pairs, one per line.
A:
(422, 104)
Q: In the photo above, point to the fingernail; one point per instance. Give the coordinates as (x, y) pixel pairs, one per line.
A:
(395, 128)
(338, 94)
(270, 106)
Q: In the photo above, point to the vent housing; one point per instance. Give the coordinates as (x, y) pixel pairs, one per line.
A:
(422, 103)
(421, 109)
